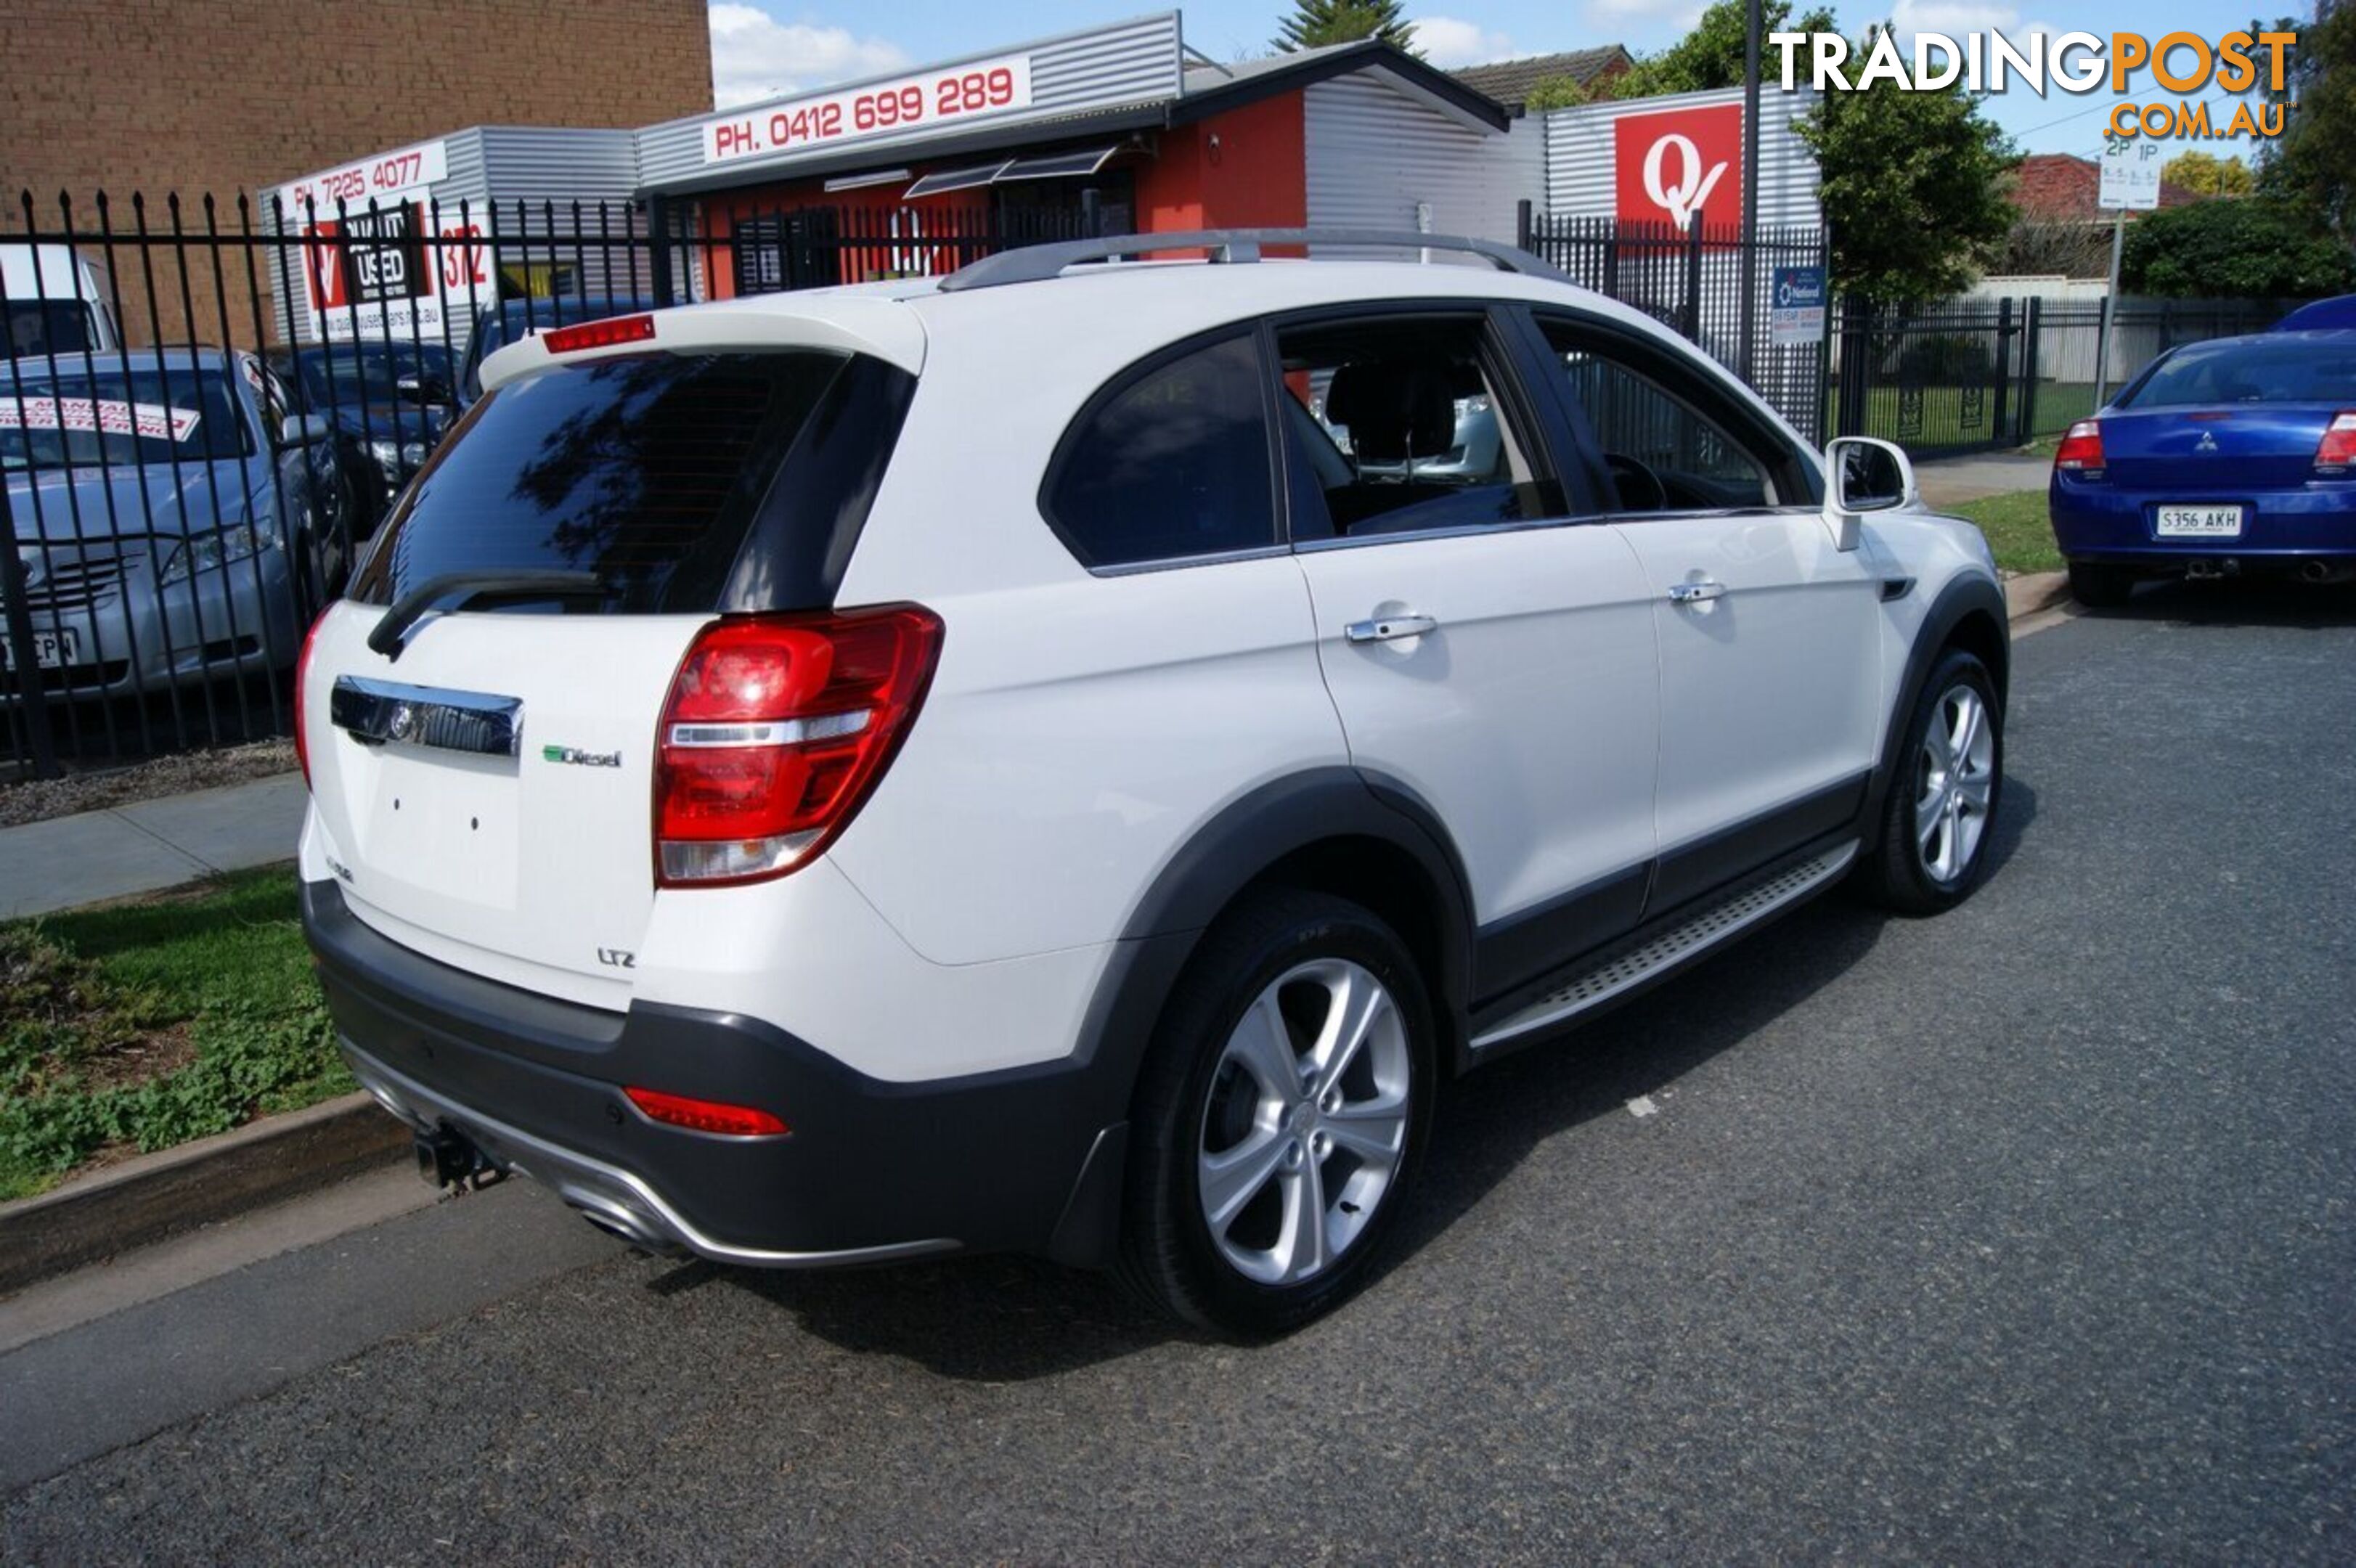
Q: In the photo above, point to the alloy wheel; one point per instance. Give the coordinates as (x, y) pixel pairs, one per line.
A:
(1306, 1122)
(1955, 784)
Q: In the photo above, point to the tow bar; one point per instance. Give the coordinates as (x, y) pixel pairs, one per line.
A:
(447, 1158)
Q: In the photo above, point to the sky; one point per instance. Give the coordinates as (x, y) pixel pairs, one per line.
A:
(761, 50)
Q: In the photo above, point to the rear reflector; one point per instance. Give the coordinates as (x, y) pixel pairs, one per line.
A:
(2338, 448)
(776, 729)
(599, 333)
(2080, 452)
(705, 1115)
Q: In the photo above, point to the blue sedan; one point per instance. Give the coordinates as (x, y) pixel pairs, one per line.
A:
(2232, 456)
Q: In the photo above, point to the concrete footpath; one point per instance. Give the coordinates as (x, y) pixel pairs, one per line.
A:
(1951, 481)
(69, 861)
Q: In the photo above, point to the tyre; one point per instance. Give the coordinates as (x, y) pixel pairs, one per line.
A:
(1279, 1117)
(2100, 587)
(1938, 810)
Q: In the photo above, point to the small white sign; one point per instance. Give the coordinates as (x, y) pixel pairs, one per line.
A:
(108, 416)
(950, 95)
(2130, 175)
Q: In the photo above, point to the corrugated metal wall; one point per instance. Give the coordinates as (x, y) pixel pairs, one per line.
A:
(1105, 68)
(1374, 153)
(1578, 167)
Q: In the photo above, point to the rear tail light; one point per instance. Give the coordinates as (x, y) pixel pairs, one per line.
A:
(302, 718)
(608, 334)
(2336, 449)
(776, 729)
(2080, 452)
(706, 1116)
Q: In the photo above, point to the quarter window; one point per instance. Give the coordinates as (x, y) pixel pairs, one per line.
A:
(1171, 464)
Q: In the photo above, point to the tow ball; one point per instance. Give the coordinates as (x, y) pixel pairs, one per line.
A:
(445, 1158)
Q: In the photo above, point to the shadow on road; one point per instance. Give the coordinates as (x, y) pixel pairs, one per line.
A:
(997, 1319)
(2239, 601)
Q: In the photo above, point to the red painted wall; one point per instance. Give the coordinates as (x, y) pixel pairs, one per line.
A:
(1255, 177)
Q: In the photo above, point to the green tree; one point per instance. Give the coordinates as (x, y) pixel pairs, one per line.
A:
(1915, 185)
(2312, 164)
(1557, 92)
(2259, 248)
(2205, 175)
(1711, 55)
(1316, 22)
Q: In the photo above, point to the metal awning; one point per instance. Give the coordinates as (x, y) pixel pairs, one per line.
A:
(956, 180)
(1059, 166)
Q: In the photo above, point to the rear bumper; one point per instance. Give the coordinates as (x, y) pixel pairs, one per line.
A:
(1027, 1159)
(2105, 523)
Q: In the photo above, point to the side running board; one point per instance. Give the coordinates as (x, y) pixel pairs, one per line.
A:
(1629, 970)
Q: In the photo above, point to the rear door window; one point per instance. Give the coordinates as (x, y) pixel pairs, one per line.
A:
(646, 470)
(1170, 461)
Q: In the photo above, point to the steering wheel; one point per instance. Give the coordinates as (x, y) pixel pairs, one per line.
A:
(1640, 488)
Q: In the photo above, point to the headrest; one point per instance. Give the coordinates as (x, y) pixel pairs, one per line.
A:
(1394, 409)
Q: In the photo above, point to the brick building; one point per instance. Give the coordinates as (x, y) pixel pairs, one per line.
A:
(231, 96)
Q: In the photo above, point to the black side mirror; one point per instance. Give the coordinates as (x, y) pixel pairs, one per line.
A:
(426, 391)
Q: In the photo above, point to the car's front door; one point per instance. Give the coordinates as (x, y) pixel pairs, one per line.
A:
(1483, 650)
(1769, 635)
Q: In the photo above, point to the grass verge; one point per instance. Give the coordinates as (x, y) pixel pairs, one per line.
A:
(2018, 528)
(145, 1025)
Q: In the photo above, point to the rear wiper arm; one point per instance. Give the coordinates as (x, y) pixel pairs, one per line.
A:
(455, 590)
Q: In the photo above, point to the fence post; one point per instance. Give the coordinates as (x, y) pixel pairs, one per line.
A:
(1997, 429)
(1522, 223)
(659, 230)
(22, 653)
(2031, 339)
(1691, 311)
(1856, 366)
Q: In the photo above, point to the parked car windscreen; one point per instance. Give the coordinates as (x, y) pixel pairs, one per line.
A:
(46, 326)
(2281, 371)
(69, 421)
(646, 470)
(366, 373)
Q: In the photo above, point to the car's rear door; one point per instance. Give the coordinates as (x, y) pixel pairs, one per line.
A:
(1483, 650)
(1769, 633)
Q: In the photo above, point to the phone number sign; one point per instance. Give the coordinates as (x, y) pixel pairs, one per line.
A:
(384, 179)
(953, 95)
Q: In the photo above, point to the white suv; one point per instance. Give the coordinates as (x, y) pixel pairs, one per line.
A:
(1039, 760)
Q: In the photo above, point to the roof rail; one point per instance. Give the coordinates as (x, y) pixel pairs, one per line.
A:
(1036, 263)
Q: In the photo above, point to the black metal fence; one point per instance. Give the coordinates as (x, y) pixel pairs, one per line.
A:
(1693, 281)
(1982, 375)
(208, 408)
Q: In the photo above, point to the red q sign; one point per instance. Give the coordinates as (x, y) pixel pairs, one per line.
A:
(1671, 166)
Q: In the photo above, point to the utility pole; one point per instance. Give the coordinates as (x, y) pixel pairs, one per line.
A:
(1750, 30)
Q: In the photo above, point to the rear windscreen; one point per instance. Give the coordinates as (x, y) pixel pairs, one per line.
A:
(646, 471)
(2283, 371)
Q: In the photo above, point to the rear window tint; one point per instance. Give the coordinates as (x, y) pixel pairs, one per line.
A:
(2275, 372)
(646, 470)
(1173, 463)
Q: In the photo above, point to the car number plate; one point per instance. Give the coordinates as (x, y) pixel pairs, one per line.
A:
(2197, 522)
(51, 650)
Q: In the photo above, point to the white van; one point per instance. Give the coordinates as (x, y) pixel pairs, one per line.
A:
(56, 301)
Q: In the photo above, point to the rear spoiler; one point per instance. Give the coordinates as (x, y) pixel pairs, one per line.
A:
(881, 327)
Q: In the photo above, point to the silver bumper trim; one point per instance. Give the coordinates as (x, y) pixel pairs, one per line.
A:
(612, 1198)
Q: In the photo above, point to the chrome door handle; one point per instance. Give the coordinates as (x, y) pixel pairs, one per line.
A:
(1694, 592)
(1389, 629)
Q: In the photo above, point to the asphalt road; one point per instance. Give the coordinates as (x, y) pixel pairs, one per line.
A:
(2021, 1234)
